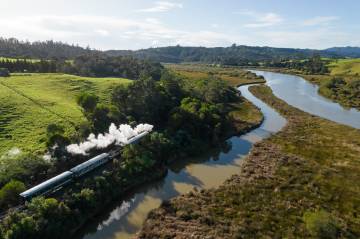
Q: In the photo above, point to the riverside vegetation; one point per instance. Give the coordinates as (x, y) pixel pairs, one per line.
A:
(338, 79)
(299, 183)
(189, 115)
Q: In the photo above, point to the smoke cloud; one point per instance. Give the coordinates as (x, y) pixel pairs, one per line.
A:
(119, 136)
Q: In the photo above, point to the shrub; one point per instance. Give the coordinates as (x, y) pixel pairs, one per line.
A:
(9, 194)
(320, 224)
(4, 72)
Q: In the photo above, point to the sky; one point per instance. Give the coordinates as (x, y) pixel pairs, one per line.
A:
(136, 24)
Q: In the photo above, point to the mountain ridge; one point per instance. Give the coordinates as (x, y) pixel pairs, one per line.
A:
(233, 55)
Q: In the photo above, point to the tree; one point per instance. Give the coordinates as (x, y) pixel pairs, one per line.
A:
(56, 141)
(9, 194)
(87, 101)
(4, 72)
(25, 167)
(55, 135)
(101, 118)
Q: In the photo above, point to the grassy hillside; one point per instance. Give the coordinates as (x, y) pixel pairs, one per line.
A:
(349, 67)
(30, 102)
(297, 184)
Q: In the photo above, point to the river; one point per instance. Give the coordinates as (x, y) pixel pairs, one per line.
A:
(124, 218)
(303, 95)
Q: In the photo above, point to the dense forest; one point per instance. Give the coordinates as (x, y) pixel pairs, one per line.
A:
(233, 55)
(39, 50)
(92, 64)
(313, 65)
(353, 52)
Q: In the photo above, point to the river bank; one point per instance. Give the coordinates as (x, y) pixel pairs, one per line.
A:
(298, 183)
(344, 91)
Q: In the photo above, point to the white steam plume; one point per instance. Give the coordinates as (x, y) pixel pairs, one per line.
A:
(119, 136)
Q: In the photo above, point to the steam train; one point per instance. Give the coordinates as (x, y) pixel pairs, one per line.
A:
(57, 182)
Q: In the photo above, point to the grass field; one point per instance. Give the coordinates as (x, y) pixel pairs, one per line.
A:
(30, 102)
(348, 67)
(234, 76)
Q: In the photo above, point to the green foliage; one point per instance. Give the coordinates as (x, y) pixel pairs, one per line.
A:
(137, 159)
(232, 75)
(101, 118)
(84, 200)
(101, 65)
(347, 92)
(313, 65)
(56, 141)
(233, 55)
(212, 89)
(24, 167)
(202, 120)
(55, 135)
(9, 194)
(39, 50)
(320, 224)
(87, 101)
(145, 100)
(345, 67)
(4, 72)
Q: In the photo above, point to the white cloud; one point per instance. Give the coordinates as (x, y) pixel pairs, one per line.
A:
(315, 39)
(105, 32)
(162, 6)
(261, 19)
(320, 20)
(268, 19)
(102, 32)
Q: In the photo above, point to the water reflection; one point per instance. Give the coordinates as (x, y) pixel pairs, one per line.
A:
(304, 95)
(125, 218)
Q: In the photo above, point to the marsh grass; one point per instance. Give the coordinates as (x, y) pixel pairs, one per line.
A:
(234, 76)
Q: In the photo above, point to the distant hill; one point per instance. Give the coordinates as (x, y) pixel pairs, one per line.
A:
(234, 55)
(353, 52)
(45, 50)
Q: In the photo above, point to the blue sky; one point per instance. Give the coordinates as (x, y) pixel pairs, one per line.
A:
(135, 24)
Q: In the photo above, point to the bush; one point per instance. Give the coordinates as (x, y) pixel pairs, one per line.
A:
(320, 224)
(9, 194)
(87, 101)
(4, 72)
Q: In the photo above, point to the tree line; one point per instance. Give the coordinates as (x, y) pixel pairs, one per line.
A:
(237, 55)
(15, 48)
(92, 65)
(313, 65)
